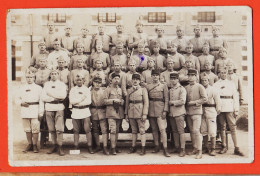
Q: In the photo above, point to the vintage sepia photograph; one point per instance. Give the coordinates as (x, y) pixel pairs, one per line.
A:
(130, 86)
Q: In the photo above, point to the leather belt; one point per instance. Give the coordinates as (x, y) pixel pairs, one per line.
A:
(56, 102)
(156, 99)
(31, 103)
(135, 101)
(98, 107)
(226, 97)
(80, 107)
(209, 105)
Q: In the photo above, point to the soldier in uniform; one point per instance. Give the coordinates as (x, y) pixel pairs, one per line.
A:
(101, 36)
(179, 60)
(180, 40)
(113, 99)
(160, 60)
(221, 63)
(42, 54)
(79, 70)
(119, 36)
(158, 108)
(127, 80)
(67, 40)
(64, 73)
(189, 56)
(205, 57)
(216, 42)
(197, 41)
(53, 94)
(212, 77)
(31, 110)
(119, 57)
(140, 58)
(165, 76)
(80, 99)
(229, 110)
(183, 73)
(147, 74)
(177, 112)
(136, 111)
(98, 114)
(50, 37)
(161, 40)
(53, 56)
(100, 55)
(85, 39)
(209, 118)
(43, 73)
(99, 72)
(196, 96)
(79, 55)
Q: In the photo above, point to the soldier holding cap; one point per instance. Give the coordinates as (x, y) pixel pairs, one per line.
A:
(216, 42)
(189, 56)
(179, 60)
(180, 40)
(212, 77)
(50, 37)
(80, 99)
(205, 57)
(113, 99)
(53, 94)
(43, 53)
(32, 109)
(196, 96)
(79, 55)
(165, 76)
(209, 118)
(158, 108)
(67, 40)
(98, 114)
(229, 110)
(119, 57)
(221, 63)
(79, 70)
(177, 112)
(197, 41)
(136, 111)
(160, 60)
(85, 39)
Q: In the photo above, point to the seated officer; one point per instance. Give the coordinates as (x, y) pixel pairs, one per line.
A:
(136, 110)
(80, 99)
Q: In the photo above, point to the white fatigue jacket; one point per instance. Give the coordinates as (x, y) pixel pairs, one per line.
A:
(30, 93)
(228, 95)
(80, 105)
(58, 90)
(213, 99)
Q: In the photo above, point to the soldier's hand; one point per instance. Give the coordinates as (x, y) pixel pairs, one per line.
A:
(40, 117)
(24, 104)
(143, 118)
(218, 111)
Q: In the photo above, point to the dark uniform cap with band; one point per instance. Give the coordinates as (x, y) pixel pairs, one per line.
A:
(115, 75)
(192, 72)
(174, 75)
(136, 76)
(155, 72)
(97, 79)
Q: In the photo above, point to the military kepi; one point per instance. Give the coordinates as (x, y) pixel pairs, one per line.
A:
(115, 75)
(155, 72)
(174, 75)
(136, 76)
(192, 72)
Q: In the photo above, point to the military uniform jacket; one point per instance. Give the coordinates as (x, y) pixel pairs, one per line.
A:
(59, 91)
(160, 62)
(238, 83)
(122, 75)
(179, 61)
(36, 59)
(73, 76)
(97, 108)
(216, 42)
(75, 97)
(120, 37)
(113, 93)
(64, 75)
(195, 61)
(228, 95)
(198, 94)
(221, 63)
(212, 77)
(67, 42)
(136, 38)
(178, 95)
(203, 58)
(165, 77)
(86, 40)
(106, 40)
(127, 81)
(137, 102)
(159, 92)
(104, 57)
(198, 44)
(182, 43)
(42, 76)
(162, 41)
(139, 62)
(74, 64)
(49, 38)
(147, 77)
(30, 93)
(122, 59)
(213, 99)
(53, 58)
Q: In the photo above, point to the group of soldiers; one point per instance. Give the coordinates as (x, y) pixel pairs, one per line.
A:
(102, 79)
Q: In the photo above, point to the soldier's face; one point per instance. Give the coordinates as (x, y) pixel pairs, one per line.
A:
(159, 32)
(61, 64)
(115, 80)
(188, 64)
(139, 27)
(140, 48)
(205, 50)
(170, 65)
(204, 82)
(97, 84)
(132, 67)
(80, 63)
(136, 82)
(30, 79)
(223, 75)
(197, 32)
(230, 66)
(155, 77)
(179, 33)
(150, 64)
(99, 47)
(43, 63)
(119, 28)
(208, 66)
(79, 82)
(215, 32)
(42, 47)
(84, 31)
(68, 30)
(189, 49)
(174, 80)
(80, 49)
(117, 67)
(172, 48)
(156, 49)
(192, 78)
(54, 76)
(56, 45)
(99, 65)
(101, 29)
(119, 49)
(222, 54)
(51, 27)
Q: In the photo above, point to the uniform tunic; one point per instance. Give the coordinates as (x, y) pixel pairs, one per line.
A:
(163, 44)
(104, 57)
(160, 61)
(221, 63)
(122, 77)
(127, 81)
(147, 77)
(122, 59)
(177, 95)
(179, 61)
(198, 43)
(106, 40)
(182, 43)
(67, 42)
(139, 61)
(42, 76)
(119, 37)
(48, 39)
(86, 40)
(136, 38)
(203, 58)
(215, 43)
(75, 58)
(35, 60)
(97, 97)
(165, 77)
(195, 61)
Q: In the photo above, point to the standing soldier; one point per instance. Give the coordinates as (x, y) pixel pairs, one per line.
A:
(216, 42)
(79, 70)
(189, 56)
(119, 36)
(229, 110)
(205, 57)
(212, 77)
(209, 118)
(197, 41)
(50, 37)
(183, 73)
(79, 55)
(127, 80)
(101, 36)
(177, 100)
(178, 59)
(113, 99)
(161, 40)
(221, 63)
(85, 39)
(42, 54)
(165, 76)
(180, 40)
(158, 108)
(67, 40)
(196, 96)
(99, 72)
(140, 58)
(31, 110)
(136, 111)
(53, 94)
(160, 60)
(119, 57)
(98, 114)
(80, 99)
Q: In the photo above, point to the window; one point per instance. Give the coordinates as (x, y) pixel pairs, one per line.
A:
(57, 17)
(156, 17)
(107, 17)
(206, 17)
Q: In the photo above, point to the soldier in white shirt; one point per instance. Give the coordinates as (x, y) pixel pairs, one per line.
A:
(31, 110)
(229, 110)
(80, 98)
(53, 94)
